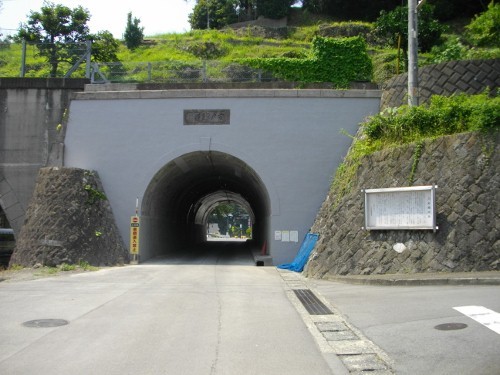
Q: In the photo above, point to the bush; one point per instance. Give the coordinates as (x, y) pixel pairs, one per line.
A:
(484, 30)
(443, 115)
(390, 25)
(339, 61)
(206, 50)
(451, 50)
(385, 66)
(346, 29)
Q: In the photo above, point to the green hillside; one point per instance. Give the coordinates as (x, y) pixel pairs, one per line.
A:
(215, 55)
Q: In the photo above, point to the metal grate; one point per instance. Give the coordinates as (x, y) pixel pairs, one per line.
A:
(312, 304)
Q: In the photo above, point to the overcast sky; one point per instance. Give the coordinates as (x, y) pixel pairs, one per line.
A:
(156, 16)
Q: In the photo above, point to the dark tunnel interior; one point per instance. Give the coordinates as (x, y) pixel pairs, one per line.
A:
(185, 191)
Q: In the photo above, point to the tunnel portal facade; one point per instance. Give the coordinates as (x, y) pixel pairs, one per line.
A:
(179, 153)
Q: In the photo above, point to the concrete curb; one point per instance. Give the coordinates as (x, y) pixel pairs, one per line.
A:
(473, 278)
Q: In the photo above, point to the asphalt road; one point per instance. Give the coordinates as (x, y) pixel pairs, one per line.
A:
(214, 312)
(402, 320)
(209, 314)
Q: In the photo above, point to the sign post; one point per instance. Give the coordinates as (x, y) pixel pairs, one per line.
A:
(135, 226)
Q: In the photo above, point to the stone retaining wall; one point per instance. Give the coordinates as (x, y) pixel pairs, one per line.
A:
(466, 169)
(468, 76)
(69, 220)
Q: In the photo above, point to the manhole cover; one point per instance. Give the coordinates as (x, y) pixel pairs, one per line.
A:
(450, 326)
(43, 323)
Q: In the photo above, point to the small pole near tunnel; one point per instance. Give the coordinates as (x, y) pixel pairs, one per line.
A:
(135, 225)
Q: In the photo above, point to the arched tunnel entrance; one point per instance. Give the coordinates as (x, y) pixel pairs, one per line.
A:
(180, 197)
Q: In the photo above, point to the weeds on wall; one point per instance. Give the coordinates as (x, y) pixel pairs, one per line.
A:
(94, 195)
(405, 125)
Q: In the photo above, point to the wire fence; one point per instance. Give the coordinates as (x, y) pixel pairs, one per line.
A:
(32, 60)
(177, 72)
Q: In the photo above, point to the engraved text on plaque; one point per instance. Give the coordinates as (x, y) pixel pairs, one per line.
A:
(206, 117)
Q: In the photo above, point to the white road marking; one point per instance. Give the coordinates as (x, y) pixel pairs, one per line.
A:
(486, 317)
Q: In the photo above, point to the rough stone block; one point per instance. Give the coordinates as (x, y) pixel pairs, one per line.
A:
(69, 220)
(4, 187)
(363, 363)
(339, 335)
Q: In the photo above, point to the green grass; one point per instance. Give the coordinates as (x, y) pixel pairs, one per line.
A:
(64, 267)
(226, 46)
(413, 125)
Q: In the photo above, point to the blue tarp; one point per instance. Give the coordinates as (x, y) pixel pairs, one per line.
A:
(303, 255)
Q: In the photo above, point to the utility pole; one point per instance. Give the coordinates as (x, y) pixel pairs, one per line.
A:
(208, 15)
(412, 54)
(413, 91)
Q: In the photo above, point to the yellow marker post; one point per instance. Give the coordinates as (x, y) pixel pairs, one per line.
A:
(135, 226)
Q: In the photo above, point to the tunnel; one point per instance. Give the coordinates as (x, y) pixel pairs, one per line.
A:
(178, 200)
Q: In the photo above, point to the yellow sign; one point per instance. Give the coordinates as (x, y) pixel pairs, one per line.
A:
(135, 226)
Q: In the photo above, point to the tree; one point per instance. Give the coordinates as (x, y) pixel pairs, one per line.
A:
(446, 10)
(134, 35)
(274, 9)
(229, 215)
(366, 10)
(104, 46)
(54, 29)
(484, 30)
(391, 25)
(60, 33)
(213, 14)
(246, 10)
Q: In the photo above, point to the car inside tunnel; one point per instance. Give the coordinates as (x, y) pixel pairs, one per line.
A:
(177, 203)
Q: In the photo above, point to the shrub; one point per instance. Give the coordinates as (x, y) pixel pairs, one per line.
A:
(67, 267)
(403, 125)
(484, 30)
(451, 50)
(339, 61)
(346, 29)
(390, 25)
(206, 50)
(385, 66)
(443, 115)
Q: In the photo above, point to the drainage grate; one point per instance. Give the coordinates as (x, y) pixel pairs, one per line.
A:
(45, 323)
(312, 304)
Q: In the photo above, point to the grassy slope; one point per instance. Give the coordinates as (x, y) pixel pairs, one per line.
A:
(223, 46)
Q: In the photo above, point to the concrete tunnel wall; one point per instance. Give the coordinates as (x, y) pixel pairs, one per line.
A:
(181, 195)
(278, 153)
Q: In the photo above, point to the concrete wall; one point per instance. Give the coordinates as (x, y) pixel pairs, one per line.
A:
(30, 110)
(291, 138)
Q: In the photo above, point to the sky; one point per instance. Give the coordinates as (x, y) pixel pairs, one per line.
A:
(156, 16)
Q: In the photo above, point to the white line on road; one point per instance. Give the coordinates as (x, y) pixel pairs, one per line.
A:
(486, 317)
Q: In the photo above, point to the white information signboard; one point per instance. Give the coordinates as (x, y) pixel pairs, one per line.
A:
(400, 208)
